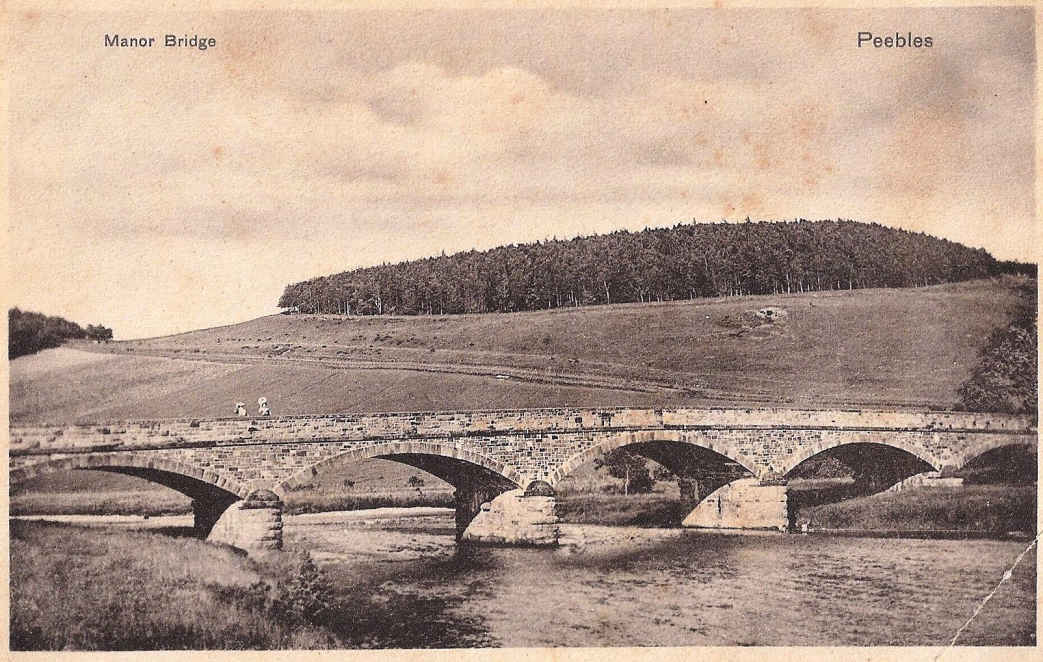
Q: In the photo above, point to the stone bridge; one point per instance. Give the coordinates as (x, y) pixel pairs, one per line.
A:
(503, 464)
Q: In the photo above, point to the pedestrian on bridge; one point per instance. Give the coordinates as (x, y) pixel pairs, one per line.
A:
(262, 407)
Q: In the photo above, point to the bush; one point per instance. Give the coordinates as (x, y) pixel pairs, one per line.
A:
(100, 333)
(301, 595)
(823, 466)
(1005, 379)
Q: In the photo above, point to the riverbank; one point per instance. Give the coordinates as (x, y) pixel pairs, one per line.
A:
(155, 503)
(115, 589)
(989, 510)
(979, 509)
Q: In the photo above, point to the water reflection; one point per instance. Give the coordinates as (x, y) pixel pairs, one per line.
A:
(620, 586)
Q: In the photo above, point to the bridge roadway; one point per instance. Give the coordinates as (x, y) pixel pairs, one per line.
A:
(504, 464)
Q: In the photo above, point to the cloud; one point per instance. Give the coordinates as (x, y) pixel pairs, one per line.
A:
(310, 143)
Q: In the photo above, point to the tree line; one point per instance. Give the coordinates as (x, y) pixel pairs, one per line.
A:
(686, 261)
(29, 332)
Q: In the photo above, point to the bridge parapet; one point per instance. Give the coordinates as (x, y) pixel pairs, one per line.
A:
(847, 419)
(186, 433)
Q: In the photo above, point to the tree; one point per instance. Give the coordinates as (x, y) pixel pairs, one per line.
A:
(28, 332)
(99, 333)
(631, 468)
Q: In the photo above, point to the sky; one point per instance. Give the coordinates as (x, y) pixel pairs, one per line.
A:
(158, 190)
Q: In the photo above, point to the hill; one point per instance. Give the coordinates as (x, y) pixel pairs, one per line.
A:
(687, 261)
(874, 347)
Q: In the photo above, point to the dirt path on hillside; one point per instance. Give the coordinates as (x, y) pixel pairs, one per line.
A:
(674, 386)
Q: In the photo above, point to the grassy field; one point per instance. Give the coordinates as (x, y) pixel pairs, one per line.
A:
(987, 509)
(867, 347)
(95, 589)
(148, 501)
(129, 387)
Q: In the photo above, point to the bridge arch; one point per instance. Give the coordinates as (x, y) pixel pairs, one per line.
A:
(691, 438)
(973, 452)
(184, 477)
(978, 453)
(789, 463)
(446, 461)
(1015, 462)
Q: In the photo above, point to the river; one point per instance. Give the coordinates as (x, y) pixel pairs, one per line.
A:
(412, 586)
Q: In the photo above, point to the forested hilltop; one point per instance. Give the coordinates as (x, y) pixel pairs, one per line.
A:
(686, 261)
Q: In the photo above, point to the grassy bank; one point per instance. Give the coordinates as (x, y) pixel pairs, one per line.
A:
(300, 503)
(980, 509)
(992, 509)
(79, 589)
(159, 503)
(656, 509)
(136, 502)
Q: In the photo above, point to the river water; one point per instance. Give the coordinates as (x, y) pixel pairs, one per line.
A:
(619, 586)
(409, 585)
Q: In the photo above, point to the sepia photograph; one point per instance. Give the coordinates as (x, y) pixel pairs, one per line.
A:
(550, 327)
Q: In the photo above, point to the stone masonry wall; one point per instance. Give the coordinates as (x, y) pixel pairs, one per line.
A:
(180, 432)
(523, 445)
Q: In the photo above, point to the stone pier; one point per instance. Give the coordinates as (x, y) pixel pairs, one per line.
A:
(742, 504)
(207, 512)
(469, 498)
(253, 524)
(515, 518)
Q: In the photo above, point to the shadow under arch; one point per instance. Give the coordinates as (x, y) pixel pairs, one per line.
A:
(1014, 463)
(476, 477)
(683, 453)
(211, 492)
(699, 472)
(453, 464)
(868, 468)
(183, 477)
(787, 465)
